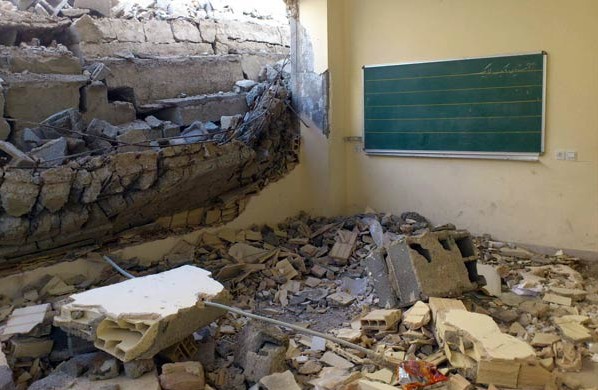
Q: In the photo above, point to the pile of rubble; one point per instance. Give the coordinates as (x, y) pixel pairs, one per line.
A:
(264, 10)
(421, 305)
(74, 175)
(71, 134)
(101, 117)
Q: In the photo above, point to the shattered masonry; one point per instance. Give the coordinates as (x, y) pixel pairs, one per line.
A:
(177, 168)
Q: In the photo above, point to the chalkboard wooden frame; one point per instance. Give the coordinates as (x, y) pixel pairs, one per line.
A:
(529, 150)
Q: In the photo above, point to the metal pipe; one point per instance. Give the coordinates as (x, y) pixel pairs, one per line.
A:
(377, 358)
(300, 329)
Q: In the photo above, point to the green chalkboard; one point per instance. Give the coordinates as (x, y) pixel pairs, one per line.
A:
(481, 107)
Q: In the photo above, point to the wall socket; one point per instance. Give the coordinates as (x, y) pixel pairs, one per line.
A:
(567, 155)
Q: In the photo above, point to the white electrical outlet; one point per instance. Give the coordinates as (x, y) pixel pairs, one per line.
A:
(561, 155)
(571, 155)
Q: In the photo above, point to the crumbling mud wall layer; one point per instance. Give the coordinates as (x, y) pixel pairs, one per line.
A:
(204, 181)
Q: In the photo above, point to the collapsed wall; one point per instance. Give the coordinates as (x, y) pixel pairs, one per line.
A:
(121, 123)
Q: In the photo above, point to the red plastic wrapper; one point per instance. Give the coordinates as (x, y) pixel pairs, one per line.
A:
(415, 374)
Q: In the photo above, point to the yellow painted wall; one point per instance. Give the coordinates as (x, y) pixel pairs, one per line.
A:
(551, 203)
(548, 203)
(308, 187)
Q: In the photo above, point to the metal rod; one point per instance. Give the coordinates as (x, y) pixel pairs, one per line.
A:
(371, 354)
(300, 329)
(118, 269)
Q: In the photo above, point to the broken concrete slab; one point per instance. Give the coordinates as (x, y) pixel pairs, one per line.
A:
(204, 108)
(280, 381)
(51, 153)
(39, 59)
(143, 50)
(29, 347)
(24, 321)
(340, 298)
(334, 360)
(45, 95)
(20, 27)
(492, 277)
(475, 342)
(481, 330)
(154, 316)
(6, 375)
(137, 368)
(572, 327)
(14, 156)
(378, 273)
(544, 339)
(245, 85)
(418, 266)
(182, 376)
(99, 127)
(101, 7)
(261, 350)
(558, 299)
(56, 287)
(163, 78)
(230, 122)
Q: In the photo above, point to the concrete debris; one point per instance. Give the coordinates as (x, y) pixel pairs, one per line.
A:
(261, 351)
(335, 360)
(29, 347)
(91, 148)
(137, 368)
(104, 367)
(182, 376)
(11, 154)
(492, 279)
(147, 322)
(6, 379)
(417, 316)
(32, 320)
(245, 85)
(415, 261)
(280, 381)
(381, 320)
(285, 272)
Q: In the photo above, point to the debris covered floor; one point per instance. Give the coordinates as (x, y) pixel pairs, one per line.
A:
(149, 119)
(527, 321)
